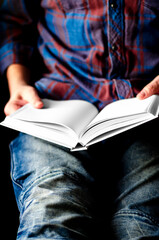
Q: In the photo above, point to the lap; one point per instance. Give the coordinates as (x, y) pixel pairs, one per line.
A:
(124, 171)
(33, 160)
(54, 190)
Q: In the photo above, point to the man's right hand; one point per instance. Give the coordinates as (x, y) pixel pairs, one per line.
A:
(23, 95)
(21, 92)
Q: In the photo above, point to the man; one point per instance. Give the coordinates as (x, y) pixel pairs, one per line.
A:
(99, 51)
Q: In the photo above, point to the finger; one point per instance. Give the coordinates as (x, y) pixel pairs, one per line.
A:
(13, 106)
(32, 97)
(149, 89)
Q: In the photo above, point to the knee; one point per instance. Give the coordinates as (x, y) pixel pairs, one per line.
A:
(134, 224)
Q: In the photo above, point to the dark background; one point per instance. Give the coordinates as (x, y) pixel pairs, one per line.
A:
(9, 212)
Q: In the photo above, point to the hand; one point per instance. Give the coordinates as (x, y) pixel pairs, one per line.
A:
(149, 89)
(23, 95)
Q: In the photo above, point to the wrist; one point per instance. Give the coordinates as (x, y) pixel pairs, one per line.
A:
(17, 76)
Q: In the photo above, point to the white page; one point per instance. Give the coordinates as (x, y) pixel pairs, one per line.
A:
(74, 114)
(56, 135)
(112, 132)
(112, 125)
(125, 107)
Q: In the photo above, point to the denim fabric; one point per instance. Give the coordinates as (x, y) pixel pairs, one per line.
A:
(137, 202)
(75, 196)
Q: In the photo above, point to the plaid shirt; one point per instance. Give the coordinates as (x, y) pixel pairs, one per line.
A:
(96, 50)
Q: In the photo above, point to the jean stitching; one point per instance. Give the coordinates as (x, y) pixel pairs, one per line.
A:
(12, 166)
(138, 213)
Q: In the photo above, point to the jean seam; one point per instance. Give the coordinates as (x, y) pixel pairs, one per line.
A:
(138, 213)
(12, 166)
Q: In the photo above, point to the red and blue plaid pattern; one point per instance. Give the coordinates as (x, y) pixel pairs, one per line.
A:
(96, 50)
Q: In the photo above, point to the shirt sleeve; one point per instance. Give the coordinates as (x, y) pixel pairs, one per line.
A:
(16, 34)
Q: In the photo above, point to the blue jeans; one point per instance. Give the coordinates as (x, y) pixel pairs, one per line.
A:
(110, 191)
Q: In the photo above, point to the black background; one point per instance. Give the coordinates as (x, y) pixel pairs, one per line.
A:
(9, 212)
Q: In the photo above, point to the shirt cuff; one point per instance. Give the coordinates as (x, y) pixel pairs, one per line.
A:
(12, 53)
(123, 88)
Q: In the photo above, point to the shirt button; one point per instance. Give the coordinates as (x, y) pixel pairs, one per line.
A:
(113, 5)
(114, 47)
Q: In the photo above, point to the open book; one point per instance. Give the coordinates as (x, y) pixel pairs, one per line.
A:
(77, 124)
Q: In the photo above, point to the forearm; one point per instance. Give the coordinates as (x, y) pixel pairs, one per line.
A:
(17, 76)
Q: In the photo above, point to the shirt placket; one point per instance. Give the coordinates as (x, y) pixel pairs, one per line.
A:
(116, 48)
